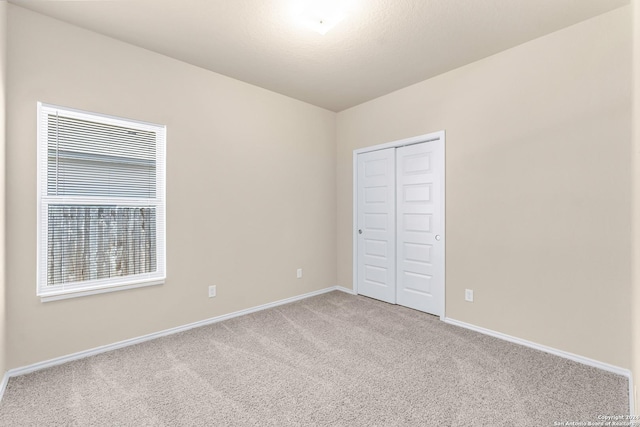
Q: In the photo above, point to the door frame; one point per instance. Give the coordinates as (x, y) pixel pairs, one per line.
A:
(434, 136)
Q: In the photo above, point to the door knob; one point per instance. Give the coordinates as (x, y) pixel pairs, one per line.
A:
(437, 237)
(360, 231)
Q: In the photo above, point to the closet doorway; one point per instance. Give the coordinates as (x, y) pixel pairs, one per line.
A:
(399, 240)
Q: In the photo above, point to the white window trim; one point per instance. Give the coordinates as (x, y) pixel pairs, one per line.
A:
(93, 287)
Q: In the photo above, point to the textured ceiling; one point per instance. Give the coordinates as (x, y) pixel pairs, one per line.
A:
(381, 46)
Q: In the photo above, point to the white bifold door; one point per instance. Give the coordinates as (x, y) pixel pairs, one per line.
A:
(400, 225)
(377, 225)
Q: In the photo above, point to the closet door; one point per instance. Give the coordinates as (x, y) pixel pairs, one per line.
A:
(420, 226)
(376, 227)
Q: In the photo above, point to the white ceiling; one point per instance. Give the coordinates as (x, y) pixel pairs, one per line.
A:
(381, 46)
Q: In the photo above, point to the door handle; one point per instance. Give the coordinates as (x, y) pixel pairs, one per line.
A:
(360, 231)
(437, 237)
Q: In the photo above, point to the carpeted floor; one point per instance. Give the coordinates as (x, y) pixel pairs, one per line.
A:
(330, 360)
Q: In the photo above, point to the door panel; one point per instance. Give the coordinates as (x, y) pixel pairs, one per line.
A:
(376, 219)
(420, 255)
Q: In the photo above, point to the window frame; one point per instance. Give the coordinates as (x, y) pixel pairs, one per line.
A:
(95, 286)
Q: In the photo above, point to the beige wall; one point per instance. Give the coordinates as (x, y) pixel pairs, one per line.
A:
(3, 85)
(635, 301)
(250, 188)
(537, 185)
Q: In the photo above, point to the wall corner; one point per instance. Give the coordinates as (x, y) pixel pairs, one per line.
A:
(635, 291)
(3, 94)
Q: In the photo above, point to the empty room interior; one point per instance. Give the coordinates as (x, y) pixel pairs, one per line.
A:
(390, 213)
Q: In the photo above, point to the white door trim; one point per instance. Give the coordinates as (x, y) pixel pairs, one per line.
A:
(435, 136)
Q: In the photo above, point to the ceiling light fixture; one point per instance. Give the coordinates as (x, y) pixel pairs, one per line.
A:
(320, 15)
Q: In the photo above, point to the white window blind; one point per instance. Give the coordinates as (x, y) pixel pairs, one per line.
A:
(101, 202)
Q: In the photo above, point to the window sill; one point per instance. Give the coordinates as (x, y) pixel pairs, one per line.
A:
(86, 292)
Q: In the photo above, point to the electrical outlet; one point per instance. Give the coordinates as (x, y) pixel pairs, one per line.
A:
(212, 291)
(468, 295)
(299, 273)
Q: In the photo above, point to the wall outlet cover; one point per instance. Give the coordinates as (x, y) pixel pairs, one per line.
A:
(468, 295)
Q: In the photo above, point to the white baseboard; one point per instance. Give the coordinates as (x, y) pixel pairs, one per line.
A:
(576, 358)
(345, 290)
(3, 385)
(109, 347)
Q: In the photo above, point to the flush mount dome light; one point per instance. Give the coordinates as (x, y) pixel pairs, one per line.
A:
(320, 15)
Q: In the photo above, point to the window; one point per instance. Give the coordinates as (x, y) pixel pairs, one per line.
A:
(101, 203)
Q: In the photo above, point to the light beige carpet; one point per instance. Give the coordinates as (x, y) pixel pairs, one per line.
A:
(330, 360)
